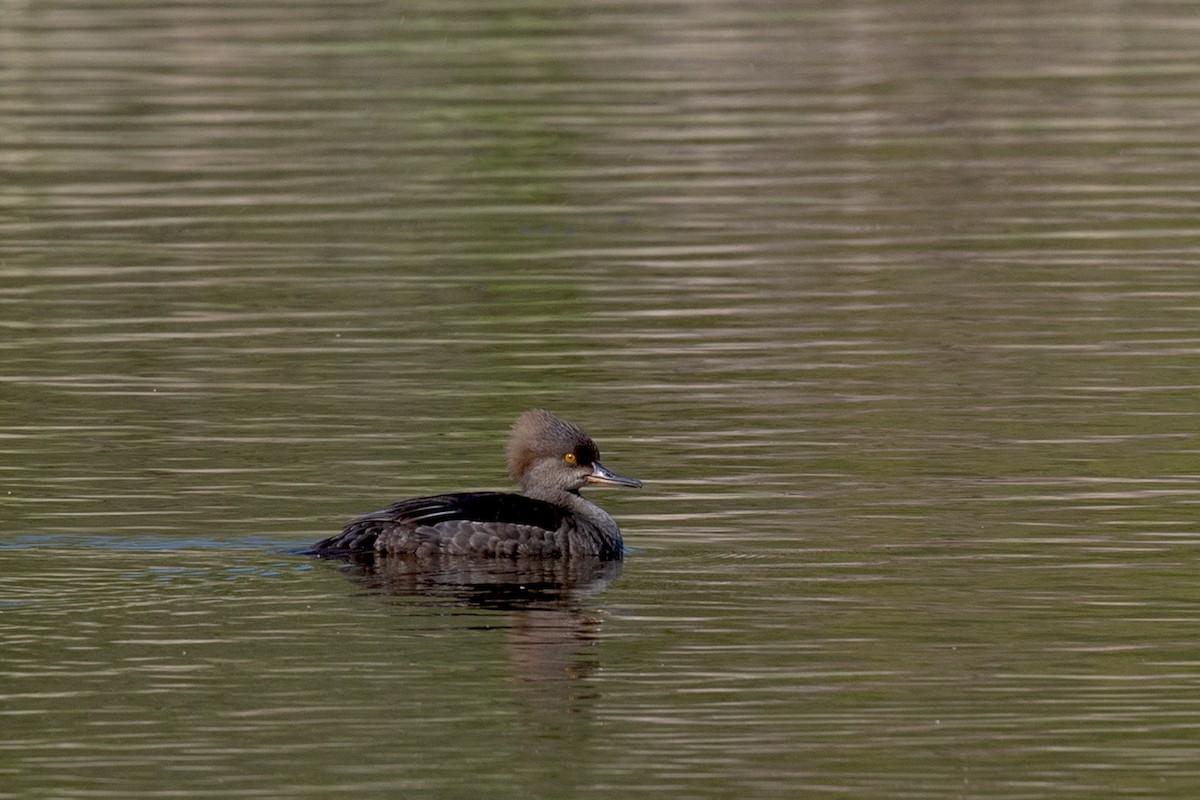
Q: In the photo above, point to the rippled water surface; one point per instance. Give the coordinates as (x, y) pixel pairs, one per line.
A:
(894, 307)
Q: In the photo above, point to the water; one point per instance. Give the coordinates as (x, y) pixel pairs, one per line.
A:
(893, 307)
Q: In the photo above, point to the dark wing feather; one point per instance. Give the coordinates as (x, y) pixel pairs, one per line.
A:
(426, 519)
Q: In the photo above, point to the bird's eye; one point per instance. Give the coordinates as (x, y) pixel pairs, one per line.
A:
(570, 459)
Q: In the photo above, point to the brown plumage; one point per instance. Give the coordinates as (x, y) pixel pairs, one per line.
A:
(551, 459)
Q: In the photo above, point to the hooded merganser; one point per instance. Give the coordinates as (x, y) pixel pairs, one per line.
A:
(551, 459)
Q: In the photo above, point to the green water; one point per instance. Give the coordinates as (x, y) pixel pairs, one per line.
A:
(893, 306)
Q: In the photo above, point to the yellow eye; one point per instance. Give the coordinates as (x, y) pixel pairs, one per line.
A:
(569, 458)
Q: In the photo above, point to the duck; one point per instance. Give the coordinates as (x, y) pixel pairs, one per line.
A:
(551, 459)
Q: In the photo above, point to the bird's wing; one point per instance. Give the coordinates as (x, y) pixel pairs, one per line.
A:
(425, 518)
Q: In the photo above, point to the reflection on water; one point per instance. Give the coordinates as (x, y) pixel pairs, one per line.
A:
(893, 304)
(501, 584)
(551, 633)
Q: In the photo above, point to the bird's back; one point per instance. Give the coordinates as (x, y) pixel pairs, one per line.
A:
(479, 523)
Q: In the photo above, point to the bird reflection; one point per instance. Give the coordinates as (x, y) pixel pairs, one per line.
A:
(552, 629)
(497, 584)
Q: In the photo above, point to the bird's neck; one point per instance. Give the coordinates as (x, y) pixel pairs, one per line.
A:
(579, 506)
